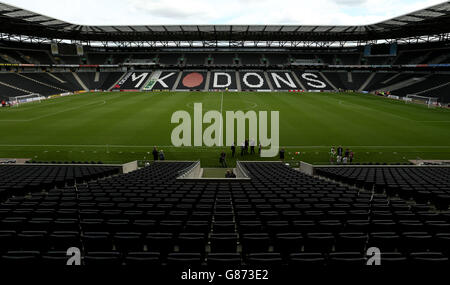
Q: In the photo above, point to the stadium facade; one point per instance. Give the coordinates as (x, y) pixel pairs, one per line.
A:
(405, 55)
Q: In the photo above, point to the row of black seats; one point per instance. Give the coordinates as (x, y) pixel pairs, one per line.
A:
(423, 184)
(177, 261)
(319, 209)
(185, 205)
(205, 226)
(285, 243)
(229, 217)
(22, 179)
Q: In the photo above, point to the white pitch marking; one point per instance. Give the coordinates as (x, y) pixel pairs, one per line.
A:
(204, 147)
(54, 113)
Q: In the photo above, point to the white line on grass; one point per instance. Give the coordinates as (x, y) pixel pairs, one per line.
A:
(205, 147)
(103, 102)
(433, 121)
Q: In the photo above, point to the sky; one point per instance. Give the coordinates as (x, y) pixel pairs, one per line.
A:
(227, 12)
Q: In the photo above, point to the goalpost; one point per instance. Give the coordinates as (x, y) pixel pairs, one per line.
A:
(17, 100)
(429, 101)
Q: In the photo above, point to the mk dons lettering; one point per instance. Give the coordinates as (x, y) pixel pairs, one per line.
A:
(140, 77)
(161, 80)
(313, 81)
(216, 79)
(288, 81)
(134, 77)
(256, 85)
(249, 80)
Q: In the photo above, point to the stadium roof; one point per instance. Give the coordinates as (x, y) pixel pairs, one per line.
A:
(430, 21)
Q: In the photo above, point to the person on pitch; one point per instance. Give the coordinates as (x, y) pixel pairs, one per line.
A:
(282, 151)
(233, 149)
(155, 153)
(252, 146)
(161, 155)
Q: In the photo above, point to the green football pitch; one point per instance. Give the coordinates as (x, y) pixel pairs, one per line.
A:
(118, 127)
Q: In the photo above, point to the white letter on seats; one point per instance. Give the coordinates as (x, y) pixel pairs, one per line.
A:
(161, 80)
(216, 79)
(257, 85)
(288, 81)
(313, 82)
(141, 77)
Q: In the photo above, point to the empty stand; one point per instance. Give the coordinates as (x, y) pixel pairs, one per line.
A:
(277, 59)
(21, 179)
(72, 59)
(24, 82)
(348, 59)
(7, 90)
(195, 58)
(69, 81)
(63, 81)
(424, 184)
(434, 85)
(102, 81)
(38, 56)
(250, 58)
(109, 79)
(378, 80)
(280, 217)
(223, 58)
(169, 58)
(11, 56)
(347, 80)
(98, 58)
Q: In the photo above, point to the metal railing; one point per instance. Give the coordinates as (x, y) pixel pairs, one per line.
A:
(188, 170)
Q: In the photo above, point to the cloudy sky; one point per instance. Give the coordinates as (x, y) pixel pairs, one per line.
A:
(158, 12)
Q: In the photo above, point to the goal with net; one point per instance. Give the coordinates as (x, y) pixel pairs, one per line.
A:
(17, 100)
(429, 101)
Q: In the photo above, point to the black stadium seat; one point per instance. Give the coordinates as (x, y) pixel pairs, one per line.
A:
(223, 243)
(141, 258)
(272, 260)
(192, 242)
(297, 260)
(128, 241)
(255, 243)
(54, 258)
(62, 240)
(224, 260)
(428, 258)
(20, 258)
(289, 243)
(184, 260)
(97, 241)
(107, 258)
(354, 259)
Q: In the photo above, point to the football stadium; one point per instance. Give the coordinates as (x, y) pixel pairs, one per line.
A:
(225, 149)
